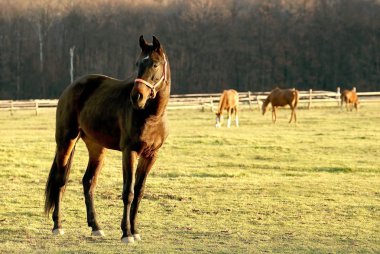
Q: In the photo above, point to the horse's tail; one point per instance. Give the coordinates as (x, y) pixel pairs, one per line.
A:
(56, 180)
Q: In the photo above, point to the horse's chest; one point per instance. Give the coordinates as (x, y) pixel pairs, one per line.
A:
(149, 139)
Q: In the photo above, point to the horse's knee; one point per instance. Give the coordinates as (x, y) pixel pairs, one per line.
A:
(128, 197)
(86, 182)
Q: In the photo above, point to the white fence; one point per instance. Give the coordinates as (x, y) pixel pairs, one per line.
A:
(254, 99)
(207, 101)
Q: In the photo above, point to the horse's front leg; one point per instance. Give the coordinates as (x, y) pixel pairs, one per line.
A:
(143, 169)
(129, 158)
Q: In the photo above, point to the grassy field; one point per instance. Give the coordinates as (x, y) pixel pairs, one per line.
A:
(259, 188)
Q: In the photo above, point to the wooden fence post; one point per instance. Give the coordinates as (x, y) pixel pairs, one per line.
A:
(249, 99)
(258, 102)
(310, 98)
(11, 108)
(72, 64)
(36, 107)
(338, 95)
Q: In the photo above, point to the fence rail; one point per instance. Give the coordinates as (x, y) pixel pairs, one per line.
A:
(204, 101)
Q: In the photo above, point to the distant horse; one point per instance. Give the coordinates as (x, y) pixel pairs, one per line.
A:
(229, 101)
(350, 98)
(107, 113)
(279, 98)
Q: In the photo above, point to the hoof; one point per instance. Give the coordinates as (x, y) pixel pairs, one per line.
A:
(58, 231)
(98, 233)
(137, 237)
(128, 239)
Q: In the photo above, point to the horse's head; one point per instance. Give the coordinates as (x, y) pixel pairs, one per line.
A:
(151, 74)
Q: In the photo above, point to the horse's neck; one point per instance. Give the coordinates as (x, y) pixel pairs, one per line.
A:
(158, 109)
(161, 101)
(164, 94)
(220, 110)
(221, 104)
(266, 102)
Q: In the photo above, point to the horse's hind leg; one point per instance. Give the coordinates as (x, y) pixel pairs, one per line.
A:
(293, 114)
(274, 115)
(95, 163)
(58, 177)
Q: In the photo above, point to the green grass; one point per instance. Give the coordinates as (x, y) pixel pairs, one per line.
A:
(309, 188)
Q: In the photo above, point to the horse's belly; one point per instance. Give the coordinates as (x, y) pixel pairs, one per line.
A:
(102, 134)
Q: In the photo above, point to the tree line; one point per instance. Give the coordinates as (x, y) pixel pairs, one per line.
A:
(248, 45)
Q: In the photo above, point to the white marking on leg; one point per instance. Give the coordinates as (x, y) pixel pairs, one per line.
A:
(137, 237)
(229, 122)
(217, 125)
(98, 233)
(128, 239)
(237, 121)
(58, 231)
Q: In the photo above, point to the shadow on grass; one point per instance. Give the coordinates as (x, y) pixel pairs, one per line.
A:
(153, 196)
(199, 174)
(333, 169)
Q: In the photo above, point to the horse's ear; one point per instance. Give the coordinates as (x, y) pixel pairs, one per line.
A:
(142, 43)
(156, 44)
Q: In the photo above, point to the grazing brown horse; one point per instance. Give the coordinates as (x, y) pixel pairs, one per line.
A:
(106, 113)
(350, 98)
(279, 98)
(229, 101)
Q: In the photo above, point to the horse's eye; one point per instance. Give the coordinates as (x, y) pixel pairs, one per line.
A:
(155, 65)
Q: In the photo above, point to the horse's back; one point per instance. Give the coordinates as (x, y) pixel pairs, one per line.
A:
(231, 98)
(282, 97)
(84, 87)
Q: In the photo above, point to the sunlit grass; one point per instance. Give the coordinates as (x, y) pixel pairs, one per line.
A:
(306, 188)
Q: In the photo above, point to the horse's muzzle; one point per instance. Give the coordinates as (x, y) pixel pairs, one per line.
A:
(137, 100)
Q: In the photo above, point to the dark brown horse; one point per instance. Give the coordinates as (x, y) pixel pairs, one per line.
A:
(229, 101)
(106, 113)
(350, 98)
(279, 98)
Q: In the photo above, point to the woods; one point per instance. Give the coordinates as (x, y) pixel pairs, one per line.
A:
(213, 45)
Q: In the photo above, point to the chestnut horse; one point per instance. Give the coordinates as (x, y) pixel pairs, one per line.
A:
(229, 101)
(279, 98)
(350, 98)
(107, 113)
